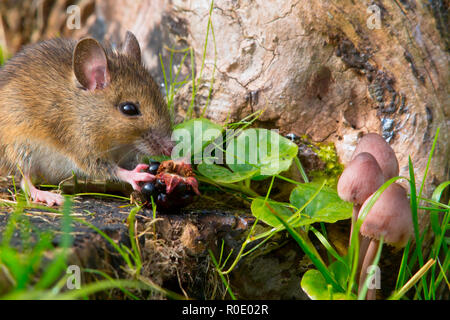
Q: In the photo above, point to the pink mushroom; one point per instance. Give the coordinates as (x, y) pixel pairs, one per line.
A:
(363, 176)
(382, 152)
(389, 217)
(360, 179)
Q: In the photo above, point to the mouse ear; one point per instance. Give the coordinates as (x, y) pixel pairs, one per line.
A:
(90, 64)
(131, 47)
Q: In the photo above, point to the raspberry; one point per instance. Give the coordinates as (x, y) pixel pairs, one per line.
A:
(179, 176)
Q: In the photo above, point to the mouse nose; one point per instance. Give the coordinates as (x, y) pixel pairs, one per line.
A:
(167, 147)
(158, 143)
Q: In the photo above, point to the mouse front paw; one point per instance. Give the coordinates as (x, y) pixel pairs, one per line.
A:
(136, 176)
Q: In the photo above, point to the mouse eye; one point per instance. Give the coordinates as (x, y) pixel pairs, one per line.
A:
(129, 109)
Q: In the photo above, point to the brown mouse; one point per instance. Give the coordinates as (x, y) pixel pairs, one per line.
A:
(82, 107)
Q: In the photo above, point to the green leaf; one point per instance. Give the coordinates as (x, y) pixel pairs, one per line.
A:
(263, 149)
(317, 288)
(260, 211)
(340, 272)
(223, 175)
(194, 135)
(325, 207)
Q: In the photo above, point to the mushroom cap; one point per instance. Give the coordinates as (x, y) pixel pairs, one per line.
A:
(390, 216)
(382, 151)
(361, 178)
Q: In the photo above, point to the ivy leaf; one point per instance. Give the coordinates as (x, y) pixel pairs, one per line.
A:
(263, 149)
(193, 136)
(316, 287)
(325, 207)
(260, 211)
(223, 175)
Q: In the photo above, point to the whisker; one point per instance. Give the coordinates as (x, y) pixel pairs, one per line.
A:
(110, 150)
(127, 153)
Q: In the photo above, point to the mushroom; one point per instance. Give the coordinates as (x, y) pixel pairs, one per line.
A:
(375, 145)
(360, 179)
(389, 217)
(382, 152)
(356, 185)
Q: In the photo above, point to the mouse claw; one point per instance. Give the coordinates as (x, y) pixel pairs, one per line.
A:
(135, 176)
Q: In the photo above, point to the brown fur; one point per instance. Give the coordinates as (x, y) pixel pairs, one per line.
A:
(51, 126)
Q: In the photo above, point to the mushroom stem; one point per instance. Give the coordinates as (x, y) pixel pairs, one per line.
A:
(363, 246)
(367, 259)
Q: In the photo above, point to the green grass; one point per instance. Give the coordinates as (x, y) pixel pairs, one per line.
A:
(24, 262)
(172, 82)
(30, 275)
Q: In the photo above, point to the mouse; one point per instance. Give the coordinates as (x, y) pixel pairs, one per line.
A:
(80, 107)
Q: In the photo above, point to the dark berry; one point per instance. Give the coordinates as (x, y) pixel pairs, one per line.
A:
(160, 185)
(148, 190)
(180, 189)
(153, 167)
(163, 201)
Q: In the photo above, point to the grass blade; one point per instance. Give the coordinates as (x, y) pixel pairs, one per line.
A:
(221, 275)
(403, 267)
(429, 161)
(419, 275)
(328, 246)
(414, 211)
(317, 261)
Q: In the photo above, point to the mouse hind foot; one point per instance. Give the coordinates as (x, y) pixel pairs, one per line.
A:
(39, 196)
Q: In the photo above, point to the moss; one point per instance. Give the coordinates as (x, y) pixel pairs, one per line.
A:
(332, 168)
